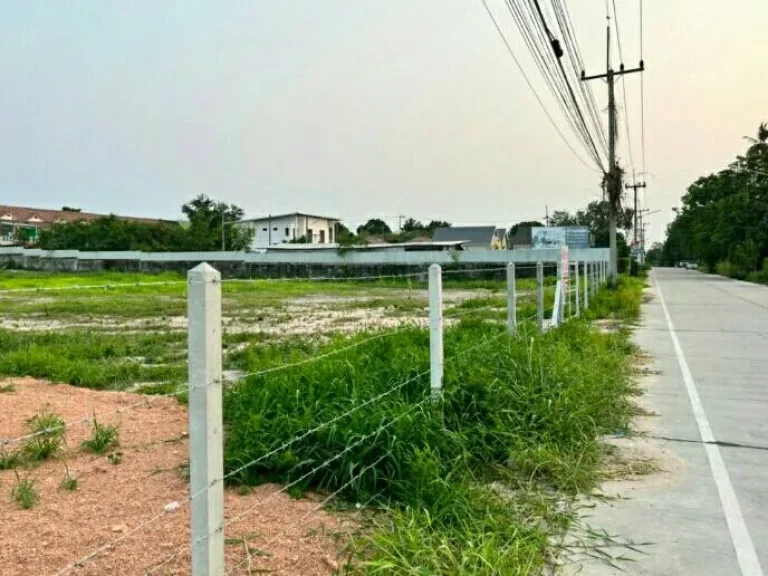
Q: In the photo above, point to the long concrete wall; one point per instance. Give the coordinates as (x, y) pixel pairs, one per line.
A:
(283, 263)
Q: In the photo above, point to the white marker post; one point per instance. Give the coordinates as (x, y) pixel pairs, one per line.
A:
(206, 462)
(540, 296)
(436, 331)
(511, 299)
(576, 286)
(586, 284)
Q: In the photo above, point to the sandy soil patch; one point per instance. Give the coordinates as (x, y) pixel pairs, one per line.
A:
(113, 499)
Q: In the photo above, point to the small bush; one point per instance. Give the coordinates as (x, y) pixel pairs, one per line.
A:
(9, 460)
(102, 438)
(69, 482)
(115, 458)
(49, 433)
(24, 493)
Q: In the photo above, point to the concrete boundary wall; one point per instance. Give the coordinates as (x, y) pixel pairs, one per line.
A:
(283, 263)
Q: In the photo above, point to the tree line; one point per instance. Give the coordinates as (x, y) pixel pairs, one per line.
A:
(723, 221)
(208, 227)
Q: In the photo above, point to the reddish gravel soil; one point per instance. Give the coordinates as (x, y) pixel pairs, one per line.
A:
(113, 500)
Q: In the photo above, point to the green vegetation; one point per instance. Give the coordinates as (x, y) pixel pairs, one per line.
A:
(102, 438)
(469, 483)
(7, 389)
(48, 433)
(202, 232)
(45, 438)
(92, 359)
(619, 302)
(722, 221)
(69, 482)
(115, 458)
(24, 493)
(10, 460)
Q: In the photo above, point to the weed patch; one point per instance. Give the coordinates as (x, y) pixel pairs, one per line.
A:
(48, 432)
(69, 482)
(24, 493)
(102, 438)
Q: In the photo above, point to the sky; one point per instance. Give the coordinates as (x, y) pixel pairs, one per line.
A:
(355, 109)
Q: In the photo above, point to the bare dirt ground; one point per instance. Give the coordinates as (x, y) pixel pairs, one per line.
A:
(113, 500)
(293, 316)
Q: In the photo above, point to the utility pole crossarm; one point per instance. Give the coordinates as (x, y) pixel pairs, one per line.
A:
(619, 72)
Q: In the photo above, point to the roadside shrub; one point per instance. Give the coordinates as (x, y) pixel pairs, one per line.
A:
(760, 276)
(725, 268)
(526, 409)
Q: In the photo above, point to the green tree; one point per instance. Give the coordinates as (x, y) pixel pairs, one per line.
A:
(375, 227)
(723, 220)
(206, 218)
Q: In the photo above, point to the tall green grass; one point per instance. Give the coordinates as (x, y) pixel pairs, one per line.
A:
(91, 359)
(621, 301)
(525, 411)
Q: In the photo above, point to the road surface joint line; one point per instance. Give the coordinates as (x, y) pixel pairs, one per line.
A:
(746, 555)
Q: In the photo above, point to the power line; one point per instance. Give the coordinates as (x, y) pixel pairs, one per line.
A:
(623, 88)
(528, 82)
(563, 16)
(547, 52)
(642, 91)
(558, 52)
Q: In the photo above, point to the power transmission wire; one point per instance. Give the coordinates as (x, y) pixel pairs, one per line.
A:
(530, 85)
(534, 39)
(624, 89)
(560, 8)
(546, 50)
(642, 91)
(558, 51)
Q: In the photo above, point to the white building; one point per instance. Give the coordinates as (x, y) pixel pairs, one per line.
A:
(284, 228)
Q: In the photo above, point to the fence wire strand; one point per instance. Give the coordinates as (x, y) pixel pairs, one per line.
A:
(291, 484)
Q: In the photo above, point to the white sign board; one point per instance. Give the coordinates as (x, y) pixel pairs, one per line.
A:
(550, 237)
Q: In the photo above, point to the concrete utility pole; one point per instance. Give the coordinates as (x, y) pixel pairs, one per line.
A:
(613, 184)
(636, 216)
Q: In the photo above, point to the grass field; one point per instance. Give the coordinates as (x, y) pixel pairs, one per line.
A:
(480, 483)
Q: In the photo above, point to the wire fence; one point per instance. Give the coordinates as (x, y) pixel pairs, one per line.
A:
(552, 303)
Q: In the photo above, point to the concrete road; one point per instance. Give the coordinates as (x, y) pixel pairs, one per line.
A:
(708, 515)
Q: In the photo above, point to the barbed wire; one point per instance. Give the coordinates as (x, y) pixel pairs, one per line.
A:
(290, 485)
(230, 474)
(88, 419)
(314, 509)
(331, 353)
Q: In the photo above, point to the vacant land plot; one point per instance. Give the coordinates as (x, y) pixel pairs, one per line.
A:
(335, 371)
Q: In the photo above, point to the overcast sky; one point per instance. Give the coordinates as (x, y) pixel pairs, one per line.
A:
(352, 108)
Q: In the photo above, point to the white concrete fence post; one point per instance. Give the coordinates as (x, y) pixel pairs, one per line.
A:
(206, 461)
(511, 299)
(436, 331)
(540, 296)
(576, 288)
(586, 284)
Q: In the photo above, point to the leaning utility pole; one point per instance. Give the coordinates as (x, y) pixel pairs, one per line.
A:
(613, 183)
(635, 215)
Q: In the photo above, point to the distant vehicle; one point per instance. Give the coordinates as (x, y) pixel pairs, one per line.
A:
(693, 266)
(688, 265)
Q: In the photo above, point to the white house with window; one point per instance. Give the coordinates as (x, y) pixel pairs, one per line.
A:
(294, 227)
